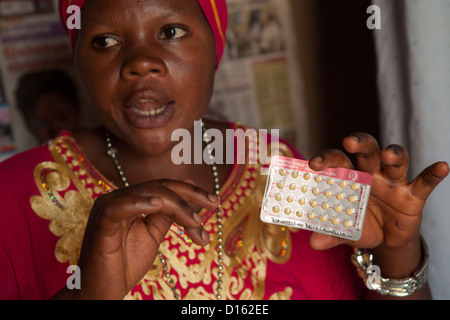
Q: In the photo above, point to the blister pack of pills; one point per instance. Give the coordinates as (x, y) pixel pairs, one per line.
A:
(333, 201)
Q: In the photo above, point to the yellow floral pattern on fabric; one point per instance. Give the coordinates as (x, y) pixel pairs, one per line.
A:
(69, 185)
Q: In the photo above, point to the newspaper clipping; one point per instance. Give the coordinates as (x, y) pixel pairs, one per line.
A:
(258, 81)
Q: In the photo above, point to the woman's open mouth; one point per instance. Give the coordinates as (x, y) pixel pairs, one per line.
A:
(147, 112)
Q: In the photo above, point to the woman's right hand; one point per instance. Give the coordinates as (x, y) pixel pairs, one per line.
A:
(119, 247)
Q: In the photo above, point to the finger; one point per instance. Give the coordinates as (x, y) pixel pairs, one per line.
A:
(330, 158)
(429, 179)
(189, 181)
(131, 203)
(159, 230)
(191, 193)
(396, 163)
(109, 211)
(177, 210)
(198, 235)
(195, 207)
(367, 152)
(320, 241)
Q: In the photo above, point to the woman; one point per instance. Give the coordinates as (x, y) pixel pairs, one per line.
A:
(107, 199)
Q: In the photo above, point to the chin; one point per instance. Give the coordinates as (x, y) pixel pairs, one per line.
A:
(152, 144)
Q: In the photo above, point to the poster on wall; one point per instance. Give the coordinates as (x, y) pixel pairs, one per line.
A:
(258, 81)
(36, 65)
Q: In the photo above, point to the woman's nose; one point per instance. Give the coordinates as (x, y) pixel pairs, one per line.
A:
(143, 62)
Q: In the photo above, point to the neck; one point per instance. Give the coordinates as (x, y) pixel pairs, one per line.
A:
(137, 167)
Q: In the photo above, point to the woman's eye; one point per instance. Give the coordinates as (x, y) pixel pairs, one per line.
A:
(104, 42)
(171, 33)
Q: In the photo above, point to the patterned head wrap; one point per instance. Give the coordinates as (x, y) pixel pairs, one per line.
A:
(215, 12)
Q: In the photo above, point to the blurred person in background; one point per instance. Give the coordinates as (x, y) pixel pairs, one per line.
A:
(48, 101)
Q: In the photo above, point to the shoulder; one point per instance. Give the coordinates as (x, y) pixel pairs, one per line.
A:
(19, 180)
(20, 227)
(21, 165)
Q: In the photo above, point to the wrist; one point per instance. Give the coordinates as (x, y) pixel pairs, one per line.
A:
(399, 262)
(394, 280)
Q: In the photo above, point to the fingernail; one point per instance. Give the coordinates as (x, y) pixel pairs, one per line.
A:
(189, 181)
(317, 159)
(356, 136)
(205, 236)
(393, 149)
(154, 201)
(198, 218)
(213, 198)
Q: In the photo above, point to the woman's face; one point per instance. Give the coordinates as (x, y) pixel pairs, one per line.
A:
(146, 66)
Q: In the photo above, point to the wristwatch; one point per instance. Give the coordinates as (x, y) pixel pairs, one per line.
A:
(363, 260)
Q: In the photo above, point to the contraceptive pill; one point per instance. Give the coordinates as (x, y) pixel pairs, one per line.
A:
(333, 201)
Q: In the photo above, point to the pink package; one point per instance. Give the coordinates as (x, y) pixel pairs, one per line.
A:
(333, 201)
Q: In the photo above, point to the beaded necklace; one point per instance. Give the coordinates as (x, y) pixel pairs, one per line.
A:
(112, 152)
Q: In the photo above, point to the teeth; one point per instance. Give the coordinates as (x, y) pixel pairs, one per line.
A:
(149, 113)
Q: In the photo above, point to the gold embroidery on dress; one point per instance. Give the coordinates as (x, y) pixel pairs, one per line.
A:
(68, 226)
(284, 295)
(69, 185)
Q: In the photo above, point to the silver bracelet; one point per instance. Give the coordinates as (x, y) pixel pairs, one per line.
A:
(363, 260)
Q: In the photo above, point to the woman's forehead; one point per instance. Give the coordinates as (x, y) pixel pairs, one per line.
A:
(96, 12)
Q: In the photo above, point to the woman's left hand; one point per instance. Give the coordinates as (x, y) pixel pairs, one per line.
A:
(394, 211)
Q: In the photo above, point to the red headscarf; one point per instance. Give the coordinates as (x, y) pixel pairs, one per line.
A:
(215, 12)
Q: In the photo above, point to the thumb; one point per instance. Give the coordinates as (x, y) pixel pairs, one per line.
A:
(189, 181)
(429, 179)
(320, 241)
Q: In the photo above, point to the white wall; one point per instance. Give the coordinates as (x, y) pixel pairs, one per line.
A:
(414, 78)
